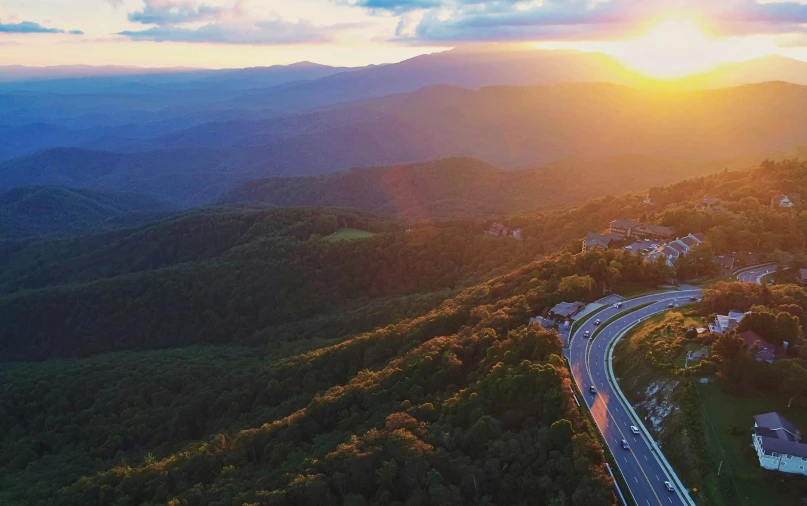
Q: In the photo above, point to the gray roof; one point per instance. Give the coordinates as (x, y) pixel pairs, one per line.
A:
(690, 241)
(803, 274)
(678, 247)
(624, 223)
(658, 229)
(775, 421)
(567, 308)
(669, 251)
(783, 446)
(699, 236)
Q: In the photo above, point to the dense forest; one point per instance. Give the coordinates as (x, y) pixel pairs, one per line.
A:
(461, 405)
(243, 356)
(55, 210)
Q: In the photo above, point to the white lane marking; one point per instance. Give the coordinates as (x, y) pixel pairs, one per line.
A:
(645, 457)
(635, 478)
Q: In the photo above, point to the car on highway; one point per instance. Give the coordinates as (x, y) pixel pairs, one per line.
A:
(693, 299)
(625, 445)
(671, 305)
(592, 389)
(669, 486)
(618, 305)
(634, 429)
(597, 322)
(587, 334)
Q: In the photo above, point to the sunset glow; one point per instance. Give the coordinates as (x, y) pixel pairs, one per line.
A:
(672, 48)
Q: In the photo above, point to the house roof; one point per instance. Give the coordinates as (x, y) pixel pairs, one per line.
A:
(803, 274)
(624, 224)
(783, 446)
(567, 308)
(699, 236)
(658, 229)
(751, 338)
(774, 421)
(669, 251)
(677, 246)
(691, 241)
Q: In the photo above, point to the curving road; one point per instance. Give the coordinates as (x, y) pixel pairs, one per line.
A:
(756, 274)
(642, 469)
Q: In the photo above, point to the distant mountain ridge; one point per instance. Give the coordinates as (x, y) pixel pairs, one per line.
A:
(466, 188)
(56, 210)
(510, 127)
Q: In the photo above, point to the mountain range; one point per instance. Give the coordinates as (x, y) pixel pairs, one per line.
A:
(510, 127)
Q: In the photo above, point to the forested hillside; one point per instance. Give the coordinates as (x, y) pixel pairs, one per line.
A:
(460, 405)
(238, 356)
(462, 188)
(45, 210)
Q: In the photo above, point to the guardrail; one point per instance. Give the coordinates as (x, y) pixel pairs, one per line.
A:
(741, 270)
(680, 489)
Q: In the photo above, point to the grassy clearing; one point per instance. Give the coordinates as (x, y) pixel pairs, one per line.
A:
(681, 358)
(349, 234)
(698, 425)
(631, 291)
(727, 421)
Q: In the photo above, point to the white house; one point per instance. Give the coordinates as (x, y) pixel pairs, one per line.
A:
(782, 201)
(724, 323)
(673, 250)
(778, 444)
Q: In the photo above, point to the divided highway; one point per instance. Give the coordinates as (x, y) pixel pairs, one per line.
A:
(642, 469)
(756, 274)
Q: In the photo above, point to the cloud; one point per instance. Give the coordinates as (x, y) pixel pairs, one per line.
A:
(270, 32)
(394, 6)
(31, 27)
(509, 20)
(178, 12)
(12, 24)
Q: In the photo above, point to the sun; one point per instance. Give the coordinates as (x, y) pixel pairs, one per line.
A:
(671, 49)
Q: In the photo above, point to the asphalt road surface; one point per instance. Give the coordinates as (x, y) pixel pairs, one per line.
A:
(643, 472)
(756, 275)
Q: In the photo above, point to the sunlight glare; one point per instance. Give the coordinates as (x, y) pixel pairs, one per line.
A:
(671, 49)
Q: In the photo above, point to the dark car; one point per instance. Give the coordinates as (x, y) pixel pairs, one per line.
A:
(669, 486)
(597, 322)
(625, 444)
(592, 389)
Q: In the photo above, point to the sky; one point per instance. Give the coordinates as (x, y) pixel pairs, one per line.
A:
(675, 36)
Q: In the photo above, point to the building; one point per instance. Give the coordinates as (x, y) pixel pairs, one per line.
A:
(674, 250)
(565, 310)
(778, 444)
(600, 241)
(784, 200)
(803, 276)
(763, 350)
(499, 230)
(724, 323)
(627, 228)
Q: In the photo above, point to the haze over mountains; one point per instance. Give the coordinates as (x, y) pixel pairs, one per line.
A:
(191, 136)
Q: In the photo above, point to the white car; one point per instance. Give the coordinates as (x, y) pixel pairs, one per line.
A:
(669, 486)
(634, 429)
(587, 334)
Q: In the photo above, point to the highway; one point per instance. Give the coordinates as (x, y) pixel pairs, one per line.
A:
(643, 471)
(756, 274)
